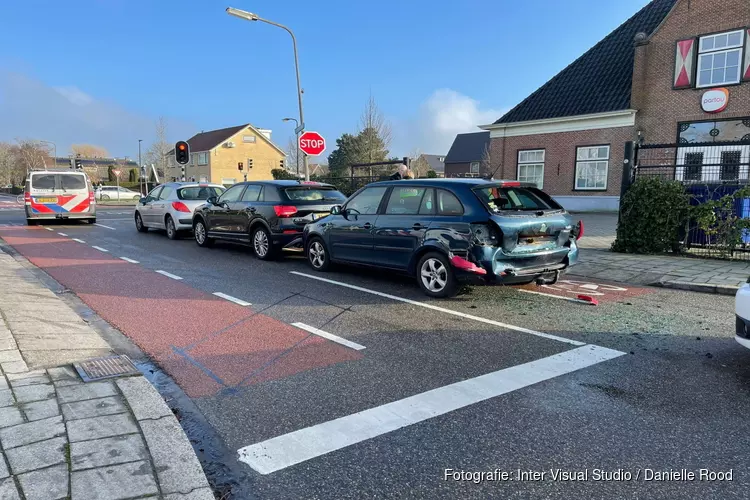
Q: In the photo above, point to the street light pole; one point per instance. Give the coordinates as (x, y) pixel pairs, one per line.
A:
(296, 123)
(249, 16)
(140, 166)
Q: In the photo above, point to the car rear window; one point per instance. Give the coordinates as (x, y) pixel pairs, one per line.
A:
(68, 182)
(304, 193)
(43, 181)
(198, 193)
(500, 199)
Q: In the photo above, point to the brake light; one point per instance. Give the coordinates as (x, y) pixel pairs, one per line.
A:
(310, 182)
(92, 198)
(27, 197)
(180, 206)
(284, 210)
(510, 184)
(578, 230)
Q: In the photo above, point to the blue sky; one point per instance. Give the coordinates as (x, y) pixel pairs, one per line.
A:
(102, 71)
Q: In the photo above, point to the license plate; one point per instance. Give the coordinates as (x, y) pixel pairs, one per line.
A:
(46, 200)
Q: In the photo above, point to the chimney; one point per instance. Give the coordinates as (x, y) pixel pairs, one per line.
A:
(266, 132)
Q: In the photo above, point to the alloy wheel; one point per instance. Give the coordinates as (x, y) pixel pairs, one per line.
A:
(434, 275)
(170, 227)
(200, 233)
(317, 254)
(260, 243)
(138, 221)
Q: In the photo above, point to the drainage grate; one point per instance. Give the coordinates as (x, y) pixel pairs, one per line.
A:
(108, 367)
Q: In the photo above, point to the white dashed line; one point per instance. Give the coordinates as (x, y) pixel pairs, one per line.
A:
(329, 336)
(79, 241)
(304, 444)
(102, 225)
(62, 234)
(169, 275)
(443, 309)
(100, 248)
(130, 260)
(232, 299)
(49, 229)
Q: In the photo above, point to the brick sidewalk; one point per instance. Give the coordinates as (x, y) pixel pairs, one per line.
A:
(63, 438)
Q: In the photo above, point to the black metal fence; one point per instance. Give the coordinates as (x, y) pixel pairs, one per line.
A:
(709, 172)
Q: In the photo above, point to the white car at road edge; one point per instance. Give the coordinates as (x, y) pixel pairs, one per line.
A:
(742, 312)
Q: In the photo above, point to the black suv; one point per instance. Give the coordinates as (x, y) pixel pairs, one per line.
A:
(269, 214)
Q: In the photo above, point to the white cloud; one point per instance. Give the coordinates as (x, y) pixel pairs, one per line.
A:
(68, 115)
(443, 115)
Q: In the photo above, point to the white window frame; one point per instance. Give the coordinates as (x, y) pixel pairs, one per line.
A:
(471, 167)
(202, 159)
(531, 163)
(702, 52)
(249, 139)
(580, 160)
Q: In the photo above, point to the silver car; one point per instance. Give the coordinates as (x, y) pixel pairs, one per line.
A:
(170, 206)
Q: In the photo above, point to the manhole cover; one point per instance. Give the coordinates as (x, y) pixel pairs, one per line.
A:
(108, 367)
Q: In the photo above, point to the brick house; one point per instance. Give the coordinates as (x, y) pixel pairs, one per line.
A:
(215, 155)
(645, 81)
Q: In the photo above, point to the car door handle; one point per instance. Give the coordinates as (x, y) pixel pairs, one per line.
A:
(367, 225)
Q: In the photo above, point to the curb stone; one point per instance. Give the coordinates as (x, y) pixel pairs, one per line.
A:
(700, 287)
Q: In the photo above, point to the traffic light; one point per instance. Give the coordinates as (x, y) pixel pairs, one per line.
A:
(79, 165)
(182, 178)
(239, 165)
(182, 153)
(249, 163)
(281, 164)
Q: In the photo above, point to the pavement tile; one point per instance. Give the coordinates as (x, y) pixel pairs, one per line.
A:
(91, 390)
(87, 429)
(7, 343)
(41, 409)
(93, 408)
(3, 383)
(174, 458)
(143, 399)
(23, 434)
(107, 451)
(8, 490)
(28, 378)
(10, 355)
(36, 456)
(199, 494)
(54, 342)
(63, 357)
(14, 367)
(61, 373)
(6, 398)
(10, 415)
(46, 484)
(48, 327)
(29, 393)
(60, 311)
(114, 482)
(4, 472)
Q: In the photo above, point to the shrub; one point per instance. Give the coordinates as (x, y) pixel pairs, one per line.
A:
(281, 174)
(653, 216)
(431, 174)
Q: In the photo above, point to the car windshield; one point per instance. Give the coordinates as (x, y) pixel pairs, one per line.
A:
(498, 199)
(198, 193)
(314, 194)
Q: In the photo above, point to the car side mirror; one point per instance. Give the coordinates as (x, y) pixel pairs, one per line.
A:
(336, 210)
(211, 200)
(143, 201)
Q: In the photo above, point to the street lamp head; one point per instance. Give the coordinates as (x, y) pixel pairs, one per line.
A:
(242, 14)
(289, 120)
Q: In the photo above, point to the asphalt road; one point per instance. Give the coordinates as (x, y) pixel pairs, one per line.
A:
(495, 379)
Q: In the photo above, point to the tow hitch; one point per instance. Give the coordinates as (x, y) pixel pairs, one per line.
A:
(544, 281)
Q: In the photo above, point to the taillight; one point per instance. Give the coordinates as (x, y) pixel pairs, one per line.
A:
(92, 198)
(578, 230)
(27, 197)
(284, 210)
(180, 206)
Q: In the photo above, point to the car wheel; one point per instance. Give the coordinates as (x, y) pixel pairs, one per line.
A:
(139, 223)
(91, 221)
(201, 235)
(317, 255)
(31, 222)
(262, 245)
(105, 197)
(136, 198)
(435, 276)
(171, 230)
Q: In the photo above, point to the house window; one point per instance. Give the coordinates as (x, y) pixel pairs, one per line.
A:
(531, 166)
(715, 131)
(474, 167)
(592, 164)
(248, 138)
(719, 59)
(202, 158)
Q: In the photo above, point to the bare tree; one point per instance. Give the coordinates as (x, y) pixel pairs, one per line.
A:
(31, 154)
(375, 131)
(291, 156)
(485, 165)
(419, 165)
(89, 151)
(157, 152)
(7, 164)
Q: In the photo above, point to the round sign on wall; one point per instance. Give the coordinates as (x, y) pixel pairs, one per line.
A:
(715, 100)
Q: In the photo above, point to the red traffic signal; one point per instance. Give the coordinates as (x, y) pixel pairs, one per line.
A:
(182, 152)
(239, 165)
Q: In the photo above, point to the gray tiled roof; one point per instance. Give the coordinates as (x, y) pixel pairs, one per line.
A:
(468, 147)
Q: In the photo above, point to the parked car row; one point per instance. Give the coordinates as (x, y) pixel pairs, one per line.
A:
(441, 231)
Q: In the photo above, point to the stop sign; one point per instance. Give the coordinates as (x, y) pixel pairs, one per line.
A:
(312, 143)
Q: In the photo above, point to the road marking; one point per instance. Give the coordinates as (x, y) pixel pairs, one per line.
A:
(569, 299)
(62, 234)
(442, 309)
(169, 275)
(117, 218)
(79, 241)
(102, 225)
(49, 229)
(304, 444)
(130, 260)
(230, 298)
(330, 336)
(100, 248)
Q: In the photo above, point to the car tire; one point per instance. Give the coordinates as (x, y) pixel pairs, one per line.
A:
(139, 223)
(105, 197)
(201, 234)
(31, 222)
(172, 233)
(136, 198)
(91, 221)
(262, 243)
(317, 255)
(435, 276)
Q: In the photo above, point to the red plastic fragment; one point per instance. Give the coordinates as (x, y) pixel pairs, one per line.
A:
(588, 298)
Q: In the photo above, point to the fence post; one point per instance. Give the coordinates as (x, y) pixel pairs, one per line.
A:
(628, 169)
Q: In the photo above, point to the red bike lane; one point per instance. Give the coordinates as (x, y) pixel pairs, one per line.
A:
(206, 343)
